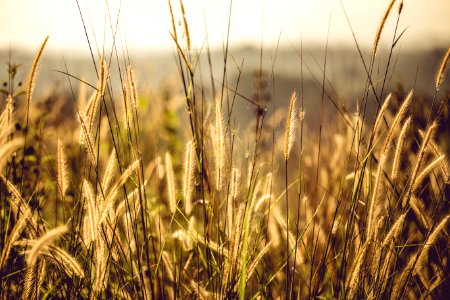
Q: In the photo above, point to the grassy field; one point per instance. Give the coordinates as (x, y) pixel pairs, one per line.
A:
(107, 192)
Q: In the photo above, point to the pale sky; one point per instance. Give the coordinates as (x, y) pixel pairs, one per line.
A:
(145, 24)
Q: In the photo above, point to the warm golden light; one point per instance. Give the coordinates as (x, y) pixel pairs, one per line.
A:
(146, 24)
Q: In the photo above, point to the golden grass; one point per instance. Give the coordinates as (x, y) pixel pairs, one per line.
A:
(373, 224)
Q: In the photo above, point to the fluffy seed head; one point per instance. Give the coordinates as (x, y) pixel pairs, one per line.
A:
(442, 69)
(291, 125)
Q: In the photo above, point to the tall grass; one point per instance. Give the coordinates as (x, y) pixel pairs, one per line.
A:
(97, 213)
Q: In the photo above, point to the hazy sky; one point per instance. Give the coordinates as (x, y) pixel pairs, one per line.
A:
(146, 24)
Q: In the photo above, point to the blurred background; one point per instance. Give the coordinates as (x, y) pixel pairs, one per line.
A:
(265, 41)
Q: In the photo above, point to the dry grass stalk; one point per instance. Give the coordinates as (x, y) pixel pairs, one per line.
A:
(358, 127)
(400, 7)
(291, 126)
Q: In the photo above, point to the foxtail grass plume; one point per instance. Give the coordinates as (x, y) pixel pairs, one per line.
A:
(426, 171)
(353, 278)
(394, 231)
(88, 141)
(380, 115)
(442, 69)
(170, 181)
(257, 260)
(7, 149)
(63, 174)
(398, 118)
(93, 104)
(415, 171)
(186, 27)
(445, 165)
(418, 210)
(377, 192)
(291, 126)
(46, 239)
(398, 151)
(172, 15)
(235, 182)
(111, 194)
(34, 71)
(380, 29)
(13, 236)
(189, 176)
(64, 259)
(133, 88)
(220, 145)
(7, 121)
(91, 216)
(20, 206)
(429, 243)
(110, 171)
